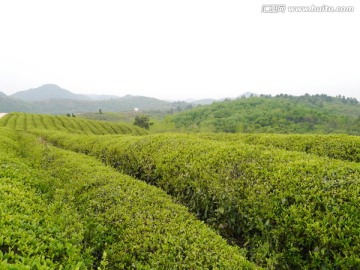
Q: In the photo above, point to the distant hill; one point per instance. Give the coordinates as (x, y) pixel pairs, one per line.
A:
(280, 114)
(127, 103)
(53, 99)
(208, 101)
(47, 92)
(205, 101)
(102, 97)
(8, 104)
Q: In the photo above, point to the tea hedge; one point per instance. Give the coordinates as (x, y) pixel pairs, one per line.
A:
(25, 121)
(288, 209)
(33, 234)
(129, 224)
(344, 147)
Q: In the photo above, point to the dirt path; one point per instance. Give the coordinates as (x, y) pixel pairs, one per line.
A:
(2, 114)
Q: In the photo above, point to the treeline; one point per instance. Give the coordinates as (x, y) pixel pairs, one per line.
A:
(289, 210)
(62, 210)
(279, 114)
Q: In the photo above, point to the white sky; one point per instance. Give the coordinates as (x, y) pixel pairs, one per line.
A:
(178, 49)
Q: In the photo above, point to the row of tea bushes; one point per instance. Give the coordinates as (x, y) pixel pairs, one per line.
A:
(344, 147)
(25, 121)
(288, 209)
(129, 224)
(33, 234)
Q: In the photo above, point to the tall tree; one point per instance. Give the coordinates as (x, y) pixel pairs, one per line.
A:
(143, 121)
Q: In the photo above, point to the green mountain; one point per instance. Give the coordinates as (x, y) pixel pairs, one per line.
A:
(279, 114)
(47, 92)
(8, 104)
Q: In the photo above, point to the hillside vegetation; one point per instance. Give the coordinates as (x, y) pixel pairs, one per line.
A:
(22, 121)
(280, 114)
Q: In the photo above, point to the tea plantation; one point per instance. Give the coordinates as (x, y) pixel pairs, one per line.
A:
(77, 194)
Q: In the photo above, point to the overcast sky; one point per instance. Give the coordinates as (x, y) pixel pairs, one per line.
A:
(178, 49)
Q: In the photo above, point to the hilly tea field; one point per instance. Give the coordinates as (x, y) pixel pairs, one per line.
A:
(86, 194)
(179, 135)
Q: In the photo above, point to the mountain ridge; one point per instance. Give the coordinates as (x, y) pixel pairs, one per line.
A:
(47, 92)
(50, 98)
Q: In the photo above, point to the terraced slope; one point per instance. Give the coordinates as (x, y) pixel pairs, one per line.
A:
(25, 121)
